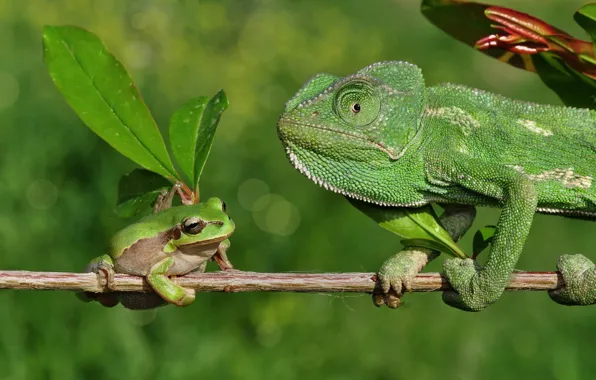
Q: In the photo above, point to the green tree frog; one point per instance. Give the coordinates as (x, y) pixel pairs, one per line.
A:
(171, 242)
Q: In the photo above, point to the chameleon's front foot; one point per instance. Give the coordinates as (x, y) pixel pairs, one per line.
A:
(579, 277)
(396, 275)
(473, 290)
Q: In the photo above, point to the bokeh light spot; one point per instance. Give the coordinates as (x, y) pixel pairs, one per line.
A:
(277, 216)
(42, 194)
(251, 191)
(138, 55)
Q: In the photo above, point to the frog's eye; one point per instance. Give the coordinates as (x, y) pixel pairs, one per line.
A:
(193, 225)
(357, 103)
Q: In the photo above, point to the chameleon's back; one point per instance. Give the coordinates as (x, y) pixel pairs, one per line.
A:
(554, 146)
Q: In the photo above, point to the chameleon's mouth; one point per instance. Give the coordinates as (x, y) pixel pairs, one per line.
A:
(291, 130)
(301, 145)
(292, 123)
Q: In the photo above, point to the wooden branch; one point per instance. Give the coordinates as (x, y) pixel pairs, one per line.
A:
(240, 281)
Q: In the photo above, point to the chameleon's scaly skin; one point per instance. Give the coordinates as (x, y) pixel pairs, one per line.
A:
(381, 136)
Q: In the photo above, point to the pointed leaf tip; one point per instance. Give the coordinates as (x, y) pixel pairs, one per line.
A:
(192, 129)
(184, 126)
(101, 92)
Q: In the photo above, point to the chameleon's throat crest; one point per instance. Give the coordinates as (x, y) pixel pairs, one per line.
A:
(304, 170)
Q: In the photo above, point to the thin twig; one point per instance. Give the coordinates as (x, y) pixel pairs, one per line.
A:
(240, 281)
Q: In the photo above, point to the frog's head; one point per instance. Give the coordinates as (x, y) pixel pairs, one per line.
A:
(342, 133)
(203, 224)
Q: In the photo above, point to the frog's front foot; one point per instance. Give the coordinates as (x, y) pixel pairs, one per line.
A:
(472, 290)
(579, 277)
(165, 287)
(396, 275)
(105, 266)
(221, 257)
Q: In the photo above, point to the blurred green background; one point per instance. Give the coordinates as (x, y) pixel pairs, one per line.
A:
(58, 189)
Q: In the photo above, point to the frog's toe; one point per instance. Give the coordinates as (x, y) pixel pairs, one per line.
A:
(103, 265)
(171, 292)
(579, 277)
(187, 297)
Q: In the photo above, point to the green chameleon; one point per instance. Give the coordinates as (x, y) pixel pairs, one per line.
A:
(173, 241)
(381, 137)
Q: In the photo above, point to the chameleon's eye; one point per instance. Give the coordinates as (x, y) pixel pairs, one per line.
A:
(193, 225)
(357, 103)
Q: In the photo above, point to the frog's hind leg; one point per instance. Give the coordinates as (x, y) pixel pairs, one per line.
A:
(164, 286)
(103, 264)
(579, 277)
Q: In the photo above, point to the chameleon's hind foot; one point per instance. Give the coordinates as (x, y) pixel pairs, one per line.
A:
(472, 291)
(397, 275)
(579, 277)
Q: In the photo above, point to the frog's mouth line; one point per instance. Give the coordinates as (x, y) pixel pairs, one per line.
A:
(283, 122)
(210, 241)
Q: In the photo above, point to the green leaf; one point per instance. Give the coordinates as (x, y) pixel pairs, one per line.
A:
(586, 18)
(101, 92)
(138, 191)
(192, 129)
(430, 244)
(483, 238)
(184, 126)
(418, 226)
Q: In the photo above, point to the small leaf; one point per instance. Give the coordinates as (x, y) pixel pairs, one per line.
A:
(138, 191)
(184, 127)
(586, 18)
(426, 218)
(100, 91)
(418, 226)
(482, 239)
(192, 129)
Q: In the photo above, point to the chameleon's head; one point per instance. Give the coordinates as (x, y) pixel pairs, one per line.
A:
(345, 133)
